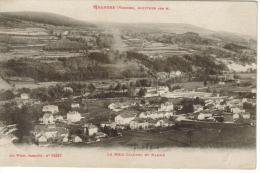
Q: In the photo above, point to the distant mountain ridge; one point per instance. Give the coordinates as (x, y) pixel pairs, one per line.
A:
(43, 17)
(178, 28)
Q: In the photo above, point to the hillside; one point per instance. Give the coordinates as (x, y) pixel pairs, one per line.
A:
(7, 18)
(50, 47)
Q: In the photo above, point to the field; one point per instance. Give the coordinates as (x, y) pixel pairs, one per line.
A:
(191, 85)
(200, 138)
(4, 85)
(98, 111)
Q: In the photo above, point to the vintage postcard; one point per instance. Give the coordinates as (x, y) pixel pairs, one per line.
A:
(128, 84)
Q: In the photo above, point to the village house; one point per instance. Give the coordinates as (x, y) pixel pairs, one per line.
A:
(46, 134)
(151, 94)
(75, 105)
(156, 91)
(221, 83)
(73, 116)
(46, 137)
(42, 140)
(155, 114)
(92, 129)
(125, 117)
(76, 139)
(174, 74)
(164, 123)
(253, 91)
(67, 90)
(246, 115)
(220, 107)
(65, 138)
(237, 110)
(236, 117)
(50, 108)
(25, 96)
(51, 135)
(168, 106)
(138, 123)
(48, 118)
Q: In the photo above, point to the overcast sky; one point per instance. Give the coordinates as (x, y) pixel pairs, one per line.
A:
(236, 17)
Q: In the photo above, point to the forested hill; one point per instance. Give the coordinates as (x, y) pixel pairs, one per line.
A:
(8, 18)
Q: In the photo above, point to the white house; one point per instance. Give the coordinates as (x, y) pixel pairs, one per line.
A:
(65, 139)
(168, 106)
(92, 129)
(236, 110)
(125, 117)
(76, 139)
(68, 89)
(164, 123)
(42, 139)
(73, 116)
(25, 96)
(221, 83)
(246, 115)
(50, 108)
(244, 100)
(48, 118)
(155, 114)
(236, 116)
(174, 74)
(137, 124)
(75, 105)
(51, 134)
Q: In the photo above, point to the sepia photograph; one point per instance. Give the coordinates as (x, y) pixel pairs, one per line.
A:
(128, 84)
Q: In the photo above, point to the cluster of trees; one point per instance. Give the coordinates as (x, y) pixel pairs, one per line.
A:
(187, 105)
(143, 83)
(158, 101)
(185, 63)
(118, 87)
(65, 44)
(6, 95)
(105, 41)
(189, 38)
(250, 108)
(58, 91)
(23, 118)
(71, 69)
(172, 38)
(234, 47)
(109, 131)
(109, 94)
